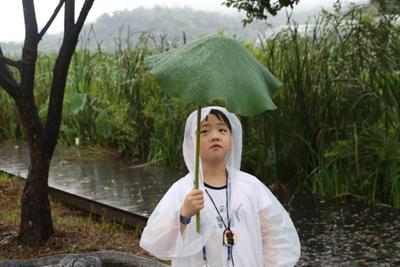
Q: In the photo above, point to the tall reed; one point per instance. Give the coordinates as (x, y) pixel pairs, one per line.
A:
(336, 129)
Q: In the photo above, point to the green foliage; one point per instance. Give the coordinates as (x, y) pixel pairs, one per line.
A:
(167, 116)
(336, 129)
(258, 9)
(387, 6)
(341, 80)
(10, 129)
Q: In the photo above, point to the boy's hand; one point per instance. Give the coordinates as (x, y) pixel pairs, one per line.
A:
(193, 203)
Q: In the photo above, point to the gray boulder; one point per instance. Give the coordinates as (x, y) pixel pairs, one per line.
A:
(93, 259)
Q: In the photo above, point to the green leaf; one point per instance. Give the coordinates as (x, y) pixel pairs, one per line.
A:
(75, 102)
(43, 110)
(103, 124)
(216, 68)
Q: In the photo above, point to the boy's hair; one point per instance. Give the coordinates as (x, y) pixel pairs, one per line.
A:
(221, 116)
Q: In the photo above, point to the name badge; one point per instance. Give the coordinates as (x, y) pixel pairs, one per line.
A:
(229, 238)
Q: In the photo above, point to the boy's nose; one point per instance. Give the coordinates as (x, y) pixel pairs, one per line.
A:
(214, 137)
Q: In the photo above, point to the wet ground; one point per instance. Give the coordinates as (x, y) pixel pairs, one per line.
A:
(346, 232)
(107, 180)
(333, 232)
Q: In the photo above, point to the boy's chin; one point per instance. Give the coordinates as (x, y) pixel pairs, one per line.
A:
(214, 159)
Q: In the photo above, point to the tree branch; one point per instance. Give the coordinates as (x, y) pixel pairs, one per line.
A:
(69, 18)
(10, 86)
(53, 16)
(31, 28)
(83, 14)
(60, 72)
(29, 51)
(7, 80)
(9, 61)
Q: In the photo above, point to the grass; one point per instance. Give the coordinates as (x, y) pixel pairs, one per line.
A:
(75, 231)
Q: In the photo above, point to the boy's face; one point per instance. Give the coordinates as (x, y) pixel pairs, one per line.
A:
(215, 140)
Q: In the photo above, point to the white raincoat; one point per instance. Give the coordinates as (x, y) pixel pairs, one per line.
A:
(265, 233)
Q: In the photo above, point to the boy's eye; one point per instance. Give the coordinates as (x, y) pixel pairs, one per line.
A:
(203, 131)
(223, 130)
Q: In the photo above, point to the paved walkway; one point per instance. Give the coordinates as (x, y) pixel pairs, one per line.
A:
(106, 180)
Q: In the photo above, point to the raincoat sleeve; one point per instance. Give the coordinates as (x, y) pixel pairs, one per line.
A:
(281, 245)
(162, 236)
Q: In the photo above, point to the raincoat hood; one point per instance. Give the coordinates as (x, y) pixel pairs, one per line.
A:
(232, 160)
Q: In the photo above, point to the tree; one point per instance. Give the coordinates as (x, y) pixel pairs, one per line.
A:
(257, 9)
(36, 224)
(387, 6)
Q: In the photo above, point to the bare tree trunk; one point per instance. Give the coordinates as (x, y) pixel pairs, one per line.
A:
(36, 225)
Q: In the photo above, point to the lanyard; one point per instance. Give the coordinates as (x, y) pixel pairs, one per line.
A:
(227, 225)
(227, 209)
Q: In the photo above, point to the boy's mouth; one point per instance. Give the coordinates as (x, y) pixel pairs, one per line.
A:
(216, 146)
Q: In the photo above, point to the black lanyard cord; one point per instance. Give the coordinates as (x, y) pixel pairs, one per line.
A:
(229, 247)
(227, 209)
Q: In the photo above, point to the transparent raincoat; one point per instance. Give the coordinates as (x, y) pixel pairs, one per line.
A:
(265, 233)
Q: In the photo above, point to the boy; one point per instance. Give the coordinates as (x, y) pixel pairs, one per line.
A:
(242, 223)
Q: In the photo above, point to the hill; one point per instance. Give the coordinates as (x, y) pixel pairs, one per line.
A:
(165, 25)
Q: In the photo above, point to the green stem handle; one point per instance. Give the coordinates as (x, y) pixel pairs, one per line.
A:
(196, 174)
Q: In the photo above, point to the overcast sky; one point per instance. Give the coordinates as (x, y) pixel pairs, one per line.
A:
(12, 25)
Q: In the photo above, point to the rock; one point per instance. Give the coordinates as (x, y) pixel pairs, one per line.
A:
(78, 261)
(93, 259)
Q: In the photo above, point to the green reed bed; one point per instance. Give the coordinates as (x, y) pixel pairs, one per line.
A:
(337, 126)
(336, 129)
